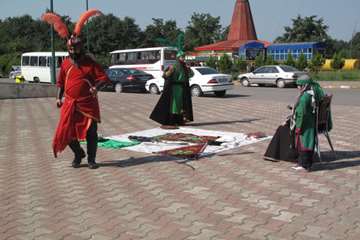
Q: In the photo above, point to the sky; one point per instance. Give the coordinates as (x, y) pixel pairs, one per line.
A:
(270, 16)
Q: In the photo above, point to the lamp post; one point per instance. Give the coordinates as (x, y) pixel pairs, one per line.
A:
(52, 64)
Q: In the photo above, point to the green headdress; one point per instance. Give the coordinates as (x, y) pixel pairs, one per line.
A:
(315, 86)
(179, 44)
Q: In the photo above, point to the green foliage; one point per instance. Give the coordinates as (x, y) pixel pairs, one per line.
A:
(8, 60)
(259, 60)
(290, 60)
(239, 65)
(212, 62)
(270, 61)
(337, 61)
(307, 29)
(316, 62)
(202, 29)
(160, 29)
(225, 64)
(301, 63)
(107, 33)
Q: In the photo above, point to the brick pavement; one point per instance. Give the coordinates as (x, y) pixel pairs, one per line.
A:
(233, 195)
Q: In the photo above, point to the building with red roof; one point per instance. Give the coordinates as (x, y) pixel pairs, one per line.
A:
(242, 33)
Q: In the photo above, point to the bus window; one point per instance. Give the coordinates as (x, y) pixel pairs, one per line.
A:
(33, 61)
(170, 55)
(26, 61)
(132, 58)
(149, 57)
(42, 61)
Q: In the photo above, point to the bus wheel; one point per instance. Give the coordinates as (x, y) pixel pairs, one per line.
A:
(36, 80)
(154, 89)
(118, 88)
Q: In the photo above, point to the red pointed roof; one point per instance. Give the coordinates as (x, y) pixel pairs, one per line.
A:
(242, 30)
(242, 23)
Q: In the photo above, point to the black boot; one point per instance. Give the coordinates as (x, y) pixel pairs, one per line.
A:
(79, 154)
(92, 140)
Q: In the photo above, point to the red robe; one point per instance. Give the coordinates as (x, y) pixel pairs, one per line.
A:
(80, 108)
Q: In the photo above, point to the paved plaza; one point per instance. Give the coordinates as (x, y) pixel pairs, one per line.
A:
(231, 195)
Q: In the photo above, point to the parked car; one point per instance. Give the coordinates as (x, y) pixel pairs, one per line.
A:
(127, 79)
(278, 75)
(15, 71)
(204, 80)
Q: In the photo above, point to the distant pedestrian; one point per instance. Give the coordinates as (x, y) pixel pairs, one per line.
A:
(79, 79)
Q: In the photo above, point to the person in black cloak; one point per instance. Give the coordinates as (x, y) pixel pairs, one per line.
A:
(174, 107)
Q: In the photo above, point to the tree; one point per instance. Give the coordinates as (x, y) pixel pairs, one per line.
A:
(290, 60)
(337, 61)
(301, 62)
(270, 61)
(202, 29)
(160, 29)
(239, 65)
(355, 46)
(108, 33)
(212, 62)
(225, 64)
(316, 62)
(259, 60)
(307, 29)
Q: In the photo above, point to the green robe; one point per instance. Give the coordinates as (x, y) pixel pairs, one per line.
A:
(178, 78)
(305, 120)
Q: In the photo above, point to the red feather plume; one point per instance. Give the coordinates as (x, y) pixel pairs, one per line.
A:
(57, 22)
(83, 18)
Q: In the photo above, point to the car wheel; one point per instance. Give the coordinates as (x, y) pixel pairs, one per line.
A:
(118, 88)
(280, 83)
(36, 80)
(220, 93)
(245, 82)
(196, 91)
(153, 89)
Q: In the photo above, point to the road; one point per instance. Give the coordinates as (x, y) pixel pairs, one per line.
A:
(349, 97)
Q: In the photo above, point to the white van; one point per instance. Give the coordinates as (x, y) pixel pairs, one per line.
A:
(35, 66)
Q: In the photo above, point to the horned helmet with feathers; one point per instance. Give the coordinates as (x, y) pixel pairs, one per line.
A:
(60, 27)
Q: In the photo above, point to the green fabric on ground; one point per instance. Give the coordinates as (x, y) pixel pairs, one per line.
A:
(114, 144)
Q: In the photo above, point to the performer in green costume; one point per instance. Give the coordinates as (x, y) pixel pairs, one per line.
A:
(175, 106)
(305, 120)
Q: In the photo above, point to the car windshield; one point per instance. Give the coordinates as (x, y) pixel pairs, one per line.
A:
(288, 68)
(206, 71)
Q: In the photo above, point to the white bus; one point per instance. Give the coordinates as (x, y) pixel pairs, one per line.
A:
(35, 66)
(150, 60)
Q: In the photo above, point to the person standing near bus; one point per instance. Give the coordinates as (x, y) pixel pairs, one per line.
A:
(79, 79)
(174, 107)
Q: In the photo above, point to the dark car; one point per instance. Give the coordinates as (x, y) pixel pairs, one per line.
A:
(127, 79)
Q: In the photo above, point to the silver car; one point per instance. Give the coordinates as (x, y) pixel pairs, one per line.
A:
(278, 75)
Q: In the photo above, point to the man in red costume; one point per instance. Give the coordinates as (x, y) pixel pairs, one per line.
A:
(79, 79)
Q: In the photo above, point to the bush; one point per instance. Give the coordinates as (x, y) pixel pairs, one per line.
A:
(239, 65)
(316, 62)
(225, 64)
(290, 60)
(212, 62)
(338, 62)
(301, 63)
(259, 60)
